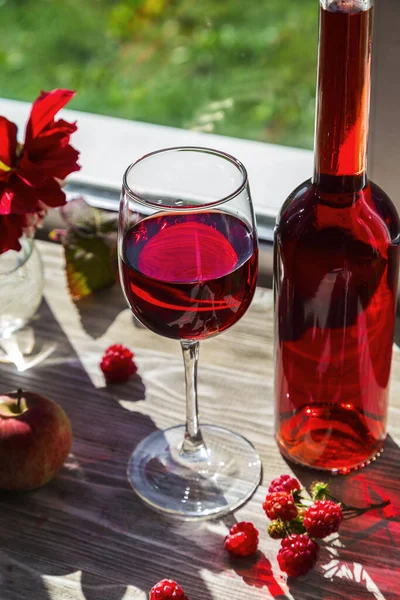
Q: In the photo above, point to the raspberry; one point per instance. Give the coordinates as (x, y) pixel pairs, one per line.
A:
(242, 539)
(167, 589)
(284, 483)
(117, 364)
(276, 530)
(280, 505)
(298, 554)
(323, 518)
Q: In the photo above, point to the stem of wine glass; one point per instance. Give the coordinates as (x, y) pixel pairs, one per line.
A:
(193, 446)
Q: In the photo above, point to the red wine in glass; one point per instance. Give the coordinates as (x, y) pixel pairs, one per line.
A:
(189, 276)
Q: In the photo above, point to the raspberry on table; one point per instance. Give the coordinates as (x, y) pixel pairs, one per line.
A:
(276, 529)
(284, 483)
(297, 555)
(167, 589)
(280, 505)
(322, 518)
(117, 364)
(242, 539)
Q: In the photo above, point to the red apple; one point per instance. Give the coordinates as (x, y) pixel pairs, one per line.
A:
(35, 440)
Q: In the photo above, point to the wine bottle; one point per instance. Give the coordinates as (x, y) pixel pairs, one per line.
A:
(335, 269)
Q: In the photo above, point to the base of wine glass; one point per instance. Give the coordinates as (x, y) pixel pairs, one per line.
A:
(197, 486)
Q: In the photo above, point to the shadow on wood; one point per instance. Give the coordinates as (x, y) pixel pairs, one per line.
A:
(256, 571)
(98, 311)
(86, 533)
(374, 536)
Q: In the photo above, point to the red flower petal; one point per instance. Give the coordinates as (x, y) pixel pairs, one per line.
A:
(50, 194)
(6, 197)
(44, 109)
(47, 152)
(60, 128)
(19, 197)
(11, 227)
(8, 147)
(56, 135)
(56, 161)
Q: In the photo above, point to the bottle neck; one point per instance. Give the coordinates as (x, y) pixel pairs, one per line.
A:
(343, 94)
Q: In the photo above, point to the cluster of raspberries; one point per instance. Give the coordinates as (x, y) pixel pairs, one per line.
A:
(297, 526)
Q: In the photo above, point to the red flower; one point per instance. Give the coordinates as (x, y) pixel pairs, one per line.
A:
(8, 149)
(47, 152)
(30, 174)
(11, 228)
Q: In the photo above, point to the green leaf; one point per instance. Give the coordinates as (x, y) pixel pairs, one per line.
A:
(90, 242)
(319, 490)
(296, 525)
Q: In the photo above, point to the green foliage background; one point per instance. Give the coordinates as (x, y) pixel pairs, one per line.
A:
(239, 68)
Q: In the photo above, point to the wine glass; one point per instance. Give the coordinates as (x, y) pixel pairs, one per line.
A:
(188, 260)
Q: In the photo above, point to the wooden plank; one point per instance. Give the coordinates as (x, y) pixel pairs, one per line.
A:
(86, 536)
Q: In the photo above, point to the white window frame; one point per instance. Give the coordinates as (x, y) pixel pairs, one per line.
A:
(108, 145)
(384, 138)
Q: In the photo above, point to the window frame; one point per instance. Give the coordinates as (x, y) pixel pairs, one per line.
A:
(108, 145)
(384, 131)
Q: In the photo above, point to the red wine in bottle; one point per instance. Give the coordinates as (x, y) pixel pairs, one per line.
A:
(336, 267)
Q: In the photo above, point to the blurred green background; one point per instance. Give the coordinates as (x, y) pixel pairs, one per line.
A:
(239, 68)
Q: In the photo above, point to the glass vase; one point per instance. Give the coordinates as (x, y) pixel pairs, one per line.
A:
(21, 286)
